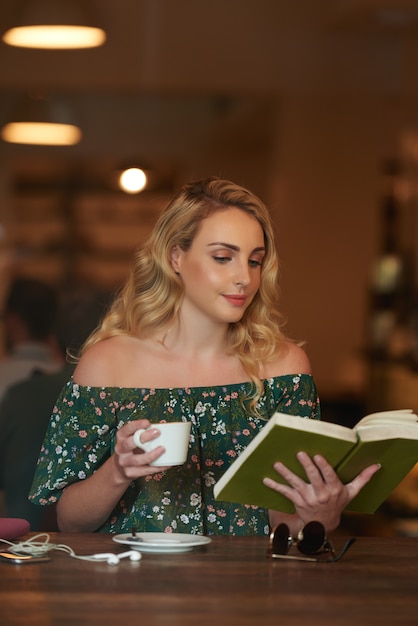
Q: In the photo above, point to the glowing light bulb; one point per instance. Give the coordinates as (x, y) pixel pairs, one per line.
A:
(133, 180)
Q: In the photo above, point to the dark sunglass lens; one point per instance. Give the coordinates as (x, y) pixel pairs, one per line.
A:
(311, 538)
(281, 541)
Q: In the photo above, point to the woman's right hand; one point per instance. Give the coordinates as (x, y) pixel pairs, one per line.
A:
(130, 461)
(85, 505)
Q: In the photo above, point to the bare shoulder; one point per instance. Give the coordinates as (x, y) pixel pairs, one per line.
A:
(292, 359)
(101, 364)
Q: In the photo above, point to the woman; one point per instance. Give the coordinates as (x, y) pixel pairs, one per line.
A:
(194, 335)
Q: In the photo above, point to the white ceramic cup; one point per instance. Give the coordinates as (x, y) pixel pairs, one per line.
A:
(174, 436)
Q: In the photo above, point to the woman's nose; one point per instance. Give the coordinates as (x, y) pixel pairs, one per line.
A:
(242, 276)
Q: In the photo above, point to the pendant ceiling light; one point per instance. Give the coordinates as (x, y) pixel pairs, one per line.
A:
(132, 180)
(54, 25)
(42, 121)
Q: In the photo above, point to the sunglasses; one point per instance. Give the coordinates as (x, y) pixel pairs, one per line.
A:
(311, 542)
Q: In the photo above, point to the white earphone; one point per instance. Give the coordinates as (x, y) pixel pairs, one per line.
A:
(133, 555)
(39, 545)
(114, 559)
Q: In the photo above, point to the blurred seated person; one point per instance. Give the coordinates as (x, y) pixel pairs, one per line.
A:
(27, 406)
(29, 316)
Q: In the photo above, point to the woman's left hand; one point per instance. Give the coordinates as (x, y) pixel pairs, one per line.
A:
(323, 496)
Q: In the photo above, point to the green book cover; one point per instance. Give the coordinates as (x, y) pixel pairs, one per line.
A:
(397, 455)
(349, 451)
(280, 440)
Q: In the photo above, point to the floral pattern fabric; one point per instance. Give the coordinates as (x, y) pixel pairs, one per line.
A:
(82, 431)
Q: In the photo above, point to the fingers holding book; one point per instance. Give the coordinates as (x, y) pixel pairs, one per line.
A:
(321, 496)
(356, 485)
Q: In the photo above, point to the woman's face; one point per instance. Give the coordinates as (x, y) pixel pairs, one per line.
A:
(221, 270)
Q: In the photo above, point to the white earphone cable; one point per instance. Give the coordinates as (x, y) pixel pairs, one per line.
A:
(39, 545)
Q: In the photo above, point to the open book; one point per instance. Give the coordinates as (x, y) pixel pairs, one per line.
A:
(389, 438)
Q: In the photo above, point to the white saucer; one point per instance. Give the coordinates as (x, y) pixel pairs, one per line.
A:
(168, 543)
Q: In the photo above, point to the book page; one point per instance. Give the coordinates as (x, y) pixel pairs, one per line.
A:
(304, 424)
(387, 431)
(402, 416)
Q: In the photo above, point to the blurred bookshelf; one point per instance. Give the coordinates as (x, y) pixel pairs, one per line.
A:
(81, 238)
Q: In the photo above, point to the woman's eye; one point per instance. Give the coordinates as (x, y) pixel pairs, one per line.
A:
(254, 263)
(222, 259)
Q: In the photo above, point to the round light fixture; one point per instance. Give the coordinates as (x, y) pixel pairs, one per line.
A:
(133, 180)
(41, 133)
(39, 120)
(54, 37)
(54, 25)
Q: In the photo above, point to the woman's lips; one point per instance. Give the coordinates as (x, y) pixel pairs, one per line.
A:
(237, 300)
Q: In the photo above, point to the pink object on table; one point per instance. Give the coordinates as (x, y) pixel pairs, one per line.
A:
(13, 527)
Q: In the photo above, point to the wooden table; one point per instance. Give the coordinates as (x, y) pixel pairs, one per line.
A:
(230, 581)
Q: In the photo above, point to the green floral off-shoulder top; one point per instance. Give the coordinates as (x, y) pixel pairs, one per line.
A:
(82, 431)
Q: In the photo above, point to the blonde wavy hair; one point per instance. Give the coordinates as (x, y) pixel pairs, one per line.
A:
(152, 295)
